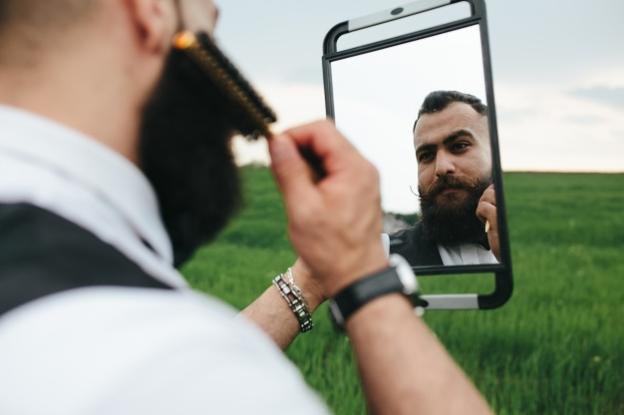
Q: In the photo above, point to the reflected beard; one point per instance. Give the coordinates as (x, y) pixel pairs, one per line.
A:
(185, 152)
(454, 222)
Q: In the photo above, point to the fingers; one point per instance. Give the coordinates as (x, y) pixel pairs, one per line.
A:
(486, 209)
(489, 195)
(322, 138)
(487, 212)
(290, 170)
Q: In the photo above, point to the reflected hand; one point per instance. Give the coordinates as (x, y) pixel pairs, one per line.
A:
(486, 211)
(334, 223)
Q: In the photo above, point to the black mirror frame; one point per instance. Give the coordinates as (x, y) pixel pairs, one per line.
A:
(503, 271)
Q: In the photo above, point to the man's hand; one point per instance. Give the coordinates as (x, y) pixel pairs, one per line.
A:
(335, 223)
(486, 211)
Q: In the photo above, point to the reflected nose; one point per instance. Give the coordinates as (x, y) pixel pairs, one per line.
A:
(444, 164)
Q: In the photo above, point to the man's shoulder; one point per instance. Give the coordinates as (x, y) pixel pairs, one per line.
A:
(139, 348)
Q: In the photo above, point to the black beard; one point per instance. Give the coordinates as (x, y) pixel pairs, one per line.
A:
(458, 224)
(185, 152)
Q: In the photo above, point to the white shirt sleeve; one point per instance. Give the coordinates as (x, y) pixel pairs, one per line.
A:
(134, 351)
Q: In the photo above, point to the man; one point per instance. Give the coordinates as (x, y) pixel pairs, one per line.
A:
(115, 164)
(458, 225)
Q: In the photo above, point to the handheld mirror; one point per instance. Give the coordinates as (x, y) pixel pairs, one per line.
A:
(412, 88)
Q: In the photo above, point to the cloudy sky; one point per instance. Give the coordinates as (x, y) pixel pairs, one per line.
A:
(558, 72)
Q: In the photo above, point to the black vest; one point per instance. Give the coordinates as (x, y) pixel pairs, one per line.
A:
(42, 253)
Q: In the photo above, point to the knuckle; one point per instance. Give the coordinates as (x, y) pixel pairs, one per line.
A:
(322, 122)
(482, 209)
(307, 214)
(327, 125)
(373, 172)
(369, 172)
(321, 127)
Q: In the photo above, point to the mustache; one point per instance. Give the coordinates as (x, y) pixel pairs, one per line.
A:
(447, 182)
(453, 223)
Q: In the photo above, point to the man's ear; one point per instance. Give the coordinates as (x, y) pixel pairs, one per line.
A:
(154, 22)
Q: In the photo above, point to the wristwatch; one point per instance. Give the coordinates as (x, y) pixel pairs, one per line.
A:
(397, 278)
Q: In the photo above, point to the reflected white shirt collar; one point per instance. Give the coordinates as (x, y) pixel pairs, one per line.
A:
(112, 177)
(466, 254)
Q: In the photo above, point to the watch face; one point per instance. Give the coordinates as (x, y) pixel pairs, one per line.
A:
(405, 274)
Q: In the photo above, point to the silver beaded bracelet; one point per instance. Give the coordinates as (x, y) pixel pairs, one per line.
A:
(295, 300)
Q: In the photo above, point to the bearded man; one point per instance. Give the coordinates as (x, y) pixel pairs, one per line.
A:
(457, 197)
(115, 165)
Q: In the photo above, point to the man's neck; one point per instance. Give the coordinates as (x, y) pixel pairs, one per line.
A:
(79, 96)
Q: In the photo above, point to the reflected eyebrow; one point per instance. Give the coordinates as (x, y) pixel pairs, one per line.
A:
(457, 134)
(424, 147)
(448, 140)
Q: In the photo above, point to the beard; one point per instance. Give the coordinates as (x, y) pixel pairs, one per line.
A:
(185, 152)
(450, 218)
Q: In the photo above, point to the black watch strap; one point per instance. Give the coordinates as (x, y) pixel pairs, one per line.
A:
(385, 281)
(361, 292)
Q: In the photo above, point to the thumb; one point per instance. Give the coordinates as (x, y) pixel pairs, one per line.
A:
(290, 170)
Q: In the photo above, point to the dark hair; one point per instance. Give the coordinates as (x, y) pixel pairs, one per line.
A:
(436, 101)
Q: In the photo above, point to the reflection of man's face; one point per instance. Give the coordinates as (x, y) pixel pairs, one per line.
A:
(454, 168)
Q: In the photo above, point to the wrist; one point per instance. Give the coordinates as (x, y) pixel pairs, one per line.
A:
(346, 275)
(391, 307)
(311, 289)
(398, 278)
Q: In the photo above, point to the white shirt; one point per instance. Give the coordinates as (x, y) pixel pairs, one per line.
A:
(462, 254)
(466, 254)
(123, 350)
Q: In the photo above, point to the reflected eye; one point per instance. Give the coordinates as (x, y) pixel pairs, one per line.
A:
(459, 146)
(425, 156)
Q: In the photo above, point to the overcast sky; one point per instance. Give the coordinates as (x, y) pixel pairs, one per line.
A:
(558, 71)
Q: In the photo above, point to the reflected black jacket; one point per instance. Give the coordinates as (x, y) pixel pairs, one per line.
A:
(415, 246)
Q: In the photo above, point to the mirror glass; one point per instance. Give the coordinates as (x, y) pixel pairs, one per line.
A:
(418, 111)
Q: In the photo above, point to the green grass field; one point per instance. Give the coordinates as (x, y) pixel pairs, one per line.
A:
(556, 348)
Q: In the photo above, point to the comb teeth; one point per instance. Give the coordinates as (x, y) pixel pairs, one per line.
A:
(223, 73)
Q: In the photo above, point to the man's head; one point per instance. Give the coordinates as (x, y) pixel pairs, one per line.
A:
(106, 68)
(451, 139)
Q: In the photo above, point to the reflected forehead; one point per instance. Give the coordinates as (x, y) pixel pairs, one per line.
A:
(434, 128)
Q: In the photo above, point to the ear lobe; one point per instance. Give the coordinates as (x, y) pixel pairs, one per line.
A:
(153, 22)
